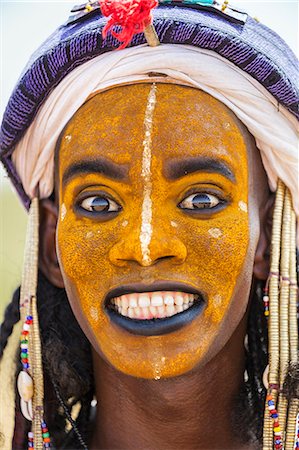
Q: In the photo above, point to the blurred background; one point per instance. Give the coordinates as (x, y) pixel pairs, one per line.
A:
(23, 27)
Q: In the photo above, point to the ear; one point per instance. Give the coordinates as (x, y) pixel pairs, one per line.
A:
(261, 267)
(48, 262)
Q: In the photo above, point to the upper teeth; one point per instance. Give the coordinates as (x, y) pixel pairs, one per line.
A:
(149, 305)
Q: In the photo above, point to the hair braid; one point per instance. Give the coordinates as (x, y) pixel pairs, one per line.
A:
(11, 317)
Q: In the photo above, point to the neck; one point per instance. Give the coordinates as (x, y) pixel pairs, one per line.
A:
(192, 411)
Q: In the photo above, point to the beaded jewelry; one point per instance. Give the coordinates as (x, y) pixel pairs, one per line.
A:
(30, 379)
(266, 301)
(283, 328)
(281, 419)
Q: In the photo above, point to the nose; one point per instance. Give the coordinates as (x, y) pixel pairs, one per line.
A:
(147, 251)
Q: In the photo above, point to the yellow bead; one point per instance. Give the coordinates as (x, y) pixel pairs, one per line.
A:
(277, 429)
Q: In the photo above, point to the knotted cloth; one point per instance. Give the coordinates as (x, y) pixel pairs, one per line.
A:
(274, 128)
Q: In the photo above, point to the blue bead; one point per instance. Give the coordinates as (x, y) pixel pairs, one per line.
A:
(275, 415)
(30, 444)
(29, 318)
(270, 402)
(44, 425)
(26, 365)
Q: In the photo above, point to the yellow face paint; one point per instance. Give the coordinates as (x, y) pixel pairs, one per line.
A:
(107, 164)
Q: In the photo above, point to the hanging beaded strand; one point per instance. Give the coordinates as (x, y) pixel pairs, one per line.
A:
(283, 326)
(266, 299)
(284, 297)
(297, 433)
(273, 322)
(30, 379)
(293, 411)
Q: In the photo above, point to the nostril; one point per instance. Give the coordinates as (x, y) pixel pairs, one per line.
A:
(165, 257)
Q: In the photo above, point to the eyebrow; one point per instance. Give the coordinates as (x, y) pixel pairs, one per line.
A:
(99, 166)
(178, 168)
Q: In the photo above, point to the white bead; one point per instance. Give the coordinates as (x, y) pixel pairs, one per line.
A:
(271, 407)
(26, 408)
(26, 327)
(25, 386)
(30, 435)
(24, 346)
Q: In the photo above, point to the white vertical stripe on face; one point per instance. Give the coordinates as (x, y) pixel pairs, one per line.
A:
(146, 214)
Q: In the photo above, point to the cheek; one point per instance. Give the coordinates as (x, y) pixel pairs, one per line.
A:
(83, 249)
(218, 255)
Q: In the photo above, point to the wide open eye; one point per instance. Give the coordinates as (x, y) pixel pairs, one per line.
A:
(100, 204)
(199, 200)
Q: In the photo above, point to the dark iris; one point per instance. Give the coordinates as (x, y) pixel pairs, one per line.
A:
(99, 204)
(201, 201)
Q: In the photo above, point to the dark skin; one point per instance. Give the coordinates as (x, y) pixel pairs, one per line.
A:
(176, 412)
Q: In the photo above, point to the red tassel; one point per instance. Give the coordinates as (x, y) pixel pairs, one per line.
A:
(132, 15)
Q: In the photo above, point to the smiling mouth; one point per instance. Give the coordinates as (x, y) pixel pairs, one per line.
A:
(153, 312)
(152, 305)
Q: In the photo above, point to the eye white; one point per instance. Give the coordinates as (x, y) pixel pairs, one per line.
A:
(200, 201)
(99, 204)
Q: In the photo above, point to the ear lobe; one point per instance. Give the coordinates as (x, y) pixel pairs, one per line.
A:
(48, 262)
(261, 267)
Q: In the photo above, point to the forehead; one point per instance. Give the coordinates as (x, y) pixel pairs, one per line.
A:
(186, 122)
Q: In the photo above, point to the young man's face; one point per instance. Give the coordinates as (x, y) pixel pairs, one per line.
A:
(157, 226)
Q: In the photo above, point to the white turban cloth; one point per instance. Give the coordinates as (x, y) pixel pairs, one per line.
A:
(274, 128)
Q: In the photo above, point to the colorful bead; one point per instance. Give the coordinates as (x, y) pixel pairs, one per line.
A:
(276, 427)
(266, 303)
(45, 436)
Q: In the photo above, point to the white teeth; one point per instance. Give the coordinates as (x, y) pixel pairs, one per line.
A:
(161, 311)
(152, 305)
(144, 300)
(170, 310)
(157, 300)
(124, 301)
(153, 311)
(179, 300)
(132, 300)
(137, 312)
(145, 313)
(168, 299)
